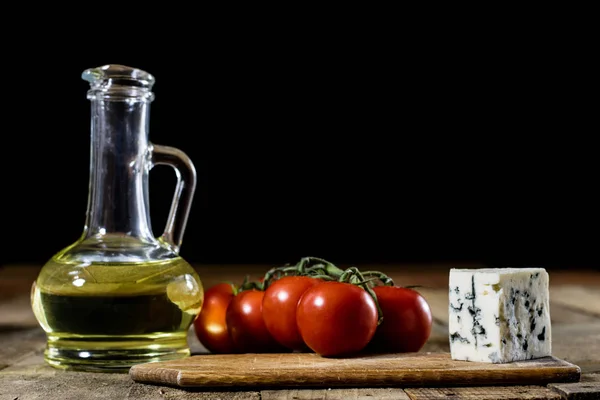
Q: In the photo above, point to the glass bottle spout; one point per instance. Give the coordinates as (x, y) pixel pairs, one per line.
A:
(121, 158)
(119, 82)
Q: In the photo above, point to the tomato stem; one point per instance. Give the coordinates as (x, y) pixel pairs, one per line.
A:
(366, 281)
(385, 280)
(354, 276)
(307, 266)
(247, 284)
(234, 289)
(322, 269)
(318, 263)
(276, 273)
(324, 277)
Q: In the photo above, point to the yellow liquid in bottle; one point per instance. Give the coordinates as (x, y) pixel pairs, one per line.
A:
(110, 316)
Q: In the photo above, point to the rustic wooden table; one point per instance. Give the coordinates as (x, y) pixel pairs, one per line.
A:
(575, 313)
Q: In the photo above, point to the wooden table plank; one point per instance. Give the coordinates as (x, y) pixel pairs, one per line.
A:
(578, 391)
(335, 394)
(487, 393)
(17, 344)
(590, 377)
(31, 379)
(438, 340)
(578, 344)
(16, 313)
(574, 311)
(578, 298)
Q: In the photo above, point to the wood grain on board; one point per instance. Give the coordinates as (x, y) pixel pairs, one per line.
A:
(335, 394)
(487, 393)
(311, 370)
(578, 390)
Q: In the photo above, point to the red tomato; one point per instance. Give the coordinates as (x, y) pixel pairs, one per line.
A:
(246, 325)
(279, 309)
(210, 325)
(406, 322)
(336, 318)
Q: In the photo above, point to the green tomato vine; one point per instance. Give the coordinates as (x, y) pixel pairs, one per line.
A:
(319, 268)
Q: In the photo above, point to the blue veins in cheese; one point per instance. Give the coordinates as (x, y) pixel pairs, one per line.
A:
(499, 315)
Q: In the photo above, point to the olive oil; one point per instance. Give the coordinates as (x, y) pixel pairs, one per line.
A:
(112, 316)
(120, 295)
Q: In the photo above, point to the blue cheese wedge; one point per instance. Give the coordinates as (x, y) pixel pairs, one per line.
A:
(499, 315)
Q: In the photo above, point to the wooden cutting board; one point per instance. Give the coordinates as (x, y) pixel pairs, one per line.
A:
(311, 370)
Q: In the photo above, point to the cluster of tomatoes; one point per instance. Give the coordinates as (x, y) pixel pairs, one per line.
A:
(314, 306)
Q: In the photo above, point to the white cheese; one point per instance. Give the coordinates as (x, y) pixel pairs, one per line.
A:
(499, 315)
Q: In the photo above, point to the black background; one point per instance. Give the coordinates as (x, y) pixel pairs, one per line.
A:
(356, 148)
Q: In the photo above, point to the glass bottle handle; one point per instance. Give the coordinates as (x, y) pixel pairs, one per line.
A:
(184, 191)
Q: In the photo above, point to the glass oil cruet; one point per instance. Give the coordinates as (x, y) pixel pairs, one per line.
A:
(119, 296)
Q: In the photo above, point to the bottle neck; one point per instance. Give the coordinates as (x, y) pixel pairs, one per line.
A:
(119, 164)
